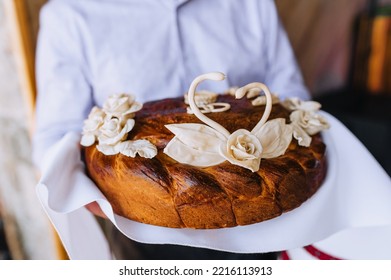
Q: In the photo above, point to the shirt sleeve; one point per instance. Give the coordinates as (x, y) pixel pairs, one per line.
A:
(283, 74)
(64, 93)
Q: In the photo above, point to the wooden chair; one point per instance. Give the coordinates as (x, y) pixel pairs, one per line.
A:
(24, 15)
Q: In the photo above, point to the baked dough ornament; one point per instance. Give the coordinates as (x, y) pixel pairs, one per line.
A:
(111, 125)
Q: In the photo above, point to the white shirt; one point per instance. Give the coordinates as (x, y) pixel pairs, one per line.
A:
(90, 49)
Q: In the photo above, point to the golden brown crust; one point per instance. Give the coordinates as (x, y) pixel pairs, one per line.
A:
(162, 192)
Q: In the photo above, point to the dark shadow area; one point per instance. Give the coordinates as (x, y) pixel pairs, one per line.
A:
(4, 251)
(367, 116)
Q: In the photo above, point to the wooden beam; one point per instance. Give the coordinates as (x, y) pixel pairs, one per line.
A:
(23, 22)
(24, 46)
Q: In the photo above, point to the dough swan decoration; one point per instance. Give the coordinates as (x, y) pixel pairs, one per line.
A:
(210, 143)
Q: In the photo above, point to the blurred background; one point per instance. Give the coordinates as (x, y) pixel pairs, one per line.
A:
(343, 48)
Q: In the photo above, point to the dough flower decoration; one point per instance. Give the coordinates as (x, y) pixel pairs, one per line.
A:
(210, 143)
(91, 127)
(305, 120)
(121, 106)
(261, 100)
(110, 126)
(206, 101)
(255, 94)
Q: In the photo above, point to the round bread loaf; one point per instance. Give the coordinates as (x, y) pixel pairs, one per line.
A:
(163, 192)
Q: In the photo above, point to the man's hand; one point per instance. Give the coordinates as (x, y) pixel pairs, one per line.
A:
(94, 208)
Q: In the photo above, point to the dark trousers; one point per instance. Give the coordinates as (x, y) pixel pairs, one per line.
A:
(127, 249)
